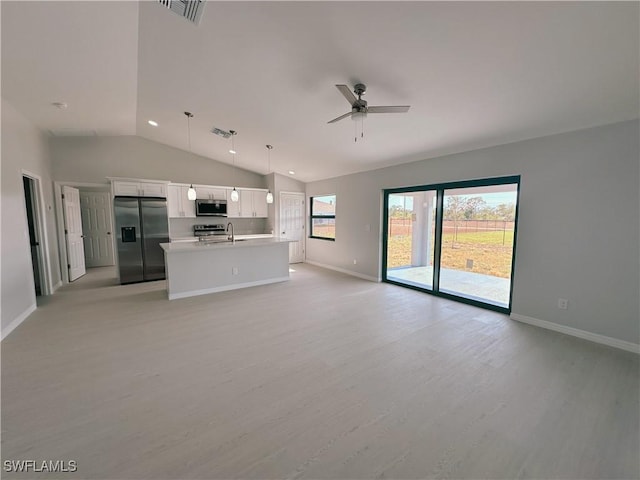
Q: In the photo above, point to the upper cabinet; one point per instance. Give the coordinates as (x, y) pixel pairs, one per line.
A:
(204, 192)
(253, 203)
(178, 204)
(260, 205)
(129, 188)
(234, 209)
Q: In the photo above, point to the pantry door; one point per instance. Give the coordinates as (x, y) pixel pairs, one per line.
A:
(292, 224)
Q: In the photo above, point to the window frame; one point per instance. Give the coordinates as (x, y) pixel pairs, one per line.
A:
(440, 189)
(313, 216)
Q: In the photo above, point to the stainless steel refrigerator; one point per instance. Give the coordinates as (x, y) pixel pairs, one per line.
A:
(141, 226)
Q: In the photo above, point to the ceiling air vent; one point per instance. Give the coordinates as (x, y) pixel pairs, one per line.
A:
(222, 133)
(189, 9)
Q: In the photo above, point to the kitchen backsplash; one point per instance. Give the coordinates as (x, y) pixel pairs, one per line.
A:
(183, 227)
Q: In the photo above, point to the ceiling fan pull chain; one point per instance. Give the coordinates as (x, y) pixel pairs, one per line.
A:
(355, 132)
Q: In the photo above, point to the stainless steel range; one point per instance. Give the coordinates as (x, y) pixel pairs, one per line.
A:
(214, 231)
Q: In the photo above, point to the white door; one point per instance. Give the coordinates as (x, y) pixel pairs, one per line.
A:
(292, 224)
(96, 227)
(73, 232)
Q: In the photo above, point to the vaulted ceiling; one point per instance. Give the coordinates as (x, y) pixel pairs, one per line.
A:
(475, 74)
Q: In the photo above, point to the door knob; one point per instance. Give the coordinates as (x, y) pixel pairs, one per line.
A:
(283, 233)
(108, 233)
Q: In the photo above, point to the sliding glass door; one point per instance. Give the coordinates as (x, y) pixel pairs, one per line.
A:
(411, 236)
(455, 239)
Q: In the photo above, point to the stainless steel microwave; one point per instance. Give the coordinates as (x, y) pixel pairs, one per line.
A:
(211, 208)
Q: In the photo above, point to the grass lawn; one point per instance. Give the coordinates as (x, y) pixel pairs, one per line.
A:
(486, 249)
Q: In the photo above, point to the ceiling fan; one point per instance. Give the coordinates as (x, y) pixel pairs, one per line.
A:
(359, 107)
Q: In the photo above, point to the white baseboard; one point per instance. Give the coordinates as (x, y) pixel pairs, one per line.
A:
(236, 286)
(21, 318)
(575, 332)
(56, 286)
(343, 270)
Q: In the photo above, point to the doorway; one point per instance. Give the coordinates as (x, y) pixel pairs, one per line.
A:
(455, 240)
(34, 233)
(35, 217)
(292, 223)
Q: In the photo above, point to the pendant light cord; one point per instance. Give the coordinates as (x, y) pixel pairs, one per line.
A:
(189, 115)
(191, 192)
(269, 147)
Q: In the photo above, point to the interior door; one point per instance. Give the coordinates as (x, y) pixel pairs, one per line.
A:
(73, 232)
(34, 237)
(292, 224)
(97, 228)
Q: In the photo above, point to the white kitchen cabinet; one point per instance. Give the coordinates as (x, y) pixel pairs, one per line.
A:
(246, 203)
(126, 188)
(204, 192)
(260, 205)
(178, 203)
(234, 209)
(253, 203)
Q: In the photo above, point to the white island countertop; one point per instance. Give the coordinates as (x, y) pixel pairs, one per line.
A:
(240, 236)
(197, 246)
(199, 268)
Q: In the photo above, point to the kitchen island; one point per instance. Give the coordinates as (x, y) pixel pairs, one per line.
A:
(199, 268)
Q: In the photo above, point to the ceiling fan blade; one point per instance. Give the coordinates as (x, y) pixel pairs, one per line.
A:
(348, 94)
(348, 114)
(389, 109)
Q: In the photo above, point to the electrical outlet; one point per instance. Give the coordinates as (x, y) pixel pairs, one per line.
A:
(355, 261)
(234, 270)
(563, 303)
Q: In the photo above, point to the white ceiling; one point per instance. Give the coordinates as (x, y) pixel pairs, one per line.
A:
(475, 74)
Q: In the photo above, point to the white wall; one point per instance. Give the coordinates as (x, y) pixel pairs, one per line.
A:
(578, 232)
(23, 147)
(92, 159)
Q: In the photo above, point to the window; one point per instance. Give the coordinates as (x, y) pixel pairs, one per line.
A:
(323, 217)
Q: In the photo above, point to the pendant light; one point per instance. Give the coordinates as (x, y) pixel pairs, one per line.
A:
(234, 193)
(269, 194)
(191, 193)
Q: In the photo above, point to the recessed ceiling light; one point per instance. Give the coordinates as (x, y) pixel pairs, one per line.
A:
(153, 123)
(60, 105)
(232, 152)
(291, 172)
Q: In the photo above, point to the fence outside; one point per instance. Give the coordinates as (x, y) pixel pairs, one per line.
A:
(403, 226)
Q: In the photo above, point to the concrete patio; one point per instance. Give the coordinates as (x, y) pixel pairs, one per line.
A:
(476, 286)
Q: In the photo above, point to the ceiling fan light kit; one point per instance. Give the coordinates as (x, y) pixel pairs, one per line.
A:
(360, 107)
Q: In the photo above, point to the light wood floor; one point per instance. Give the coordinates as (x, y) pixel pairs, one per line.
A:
(325, 376)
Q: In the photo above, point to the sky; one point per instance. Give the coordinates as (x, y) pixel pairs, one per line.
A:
(491, 199)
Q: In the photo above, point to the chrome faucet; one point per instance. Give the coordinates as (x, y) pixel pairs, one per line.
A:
(230, 237)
